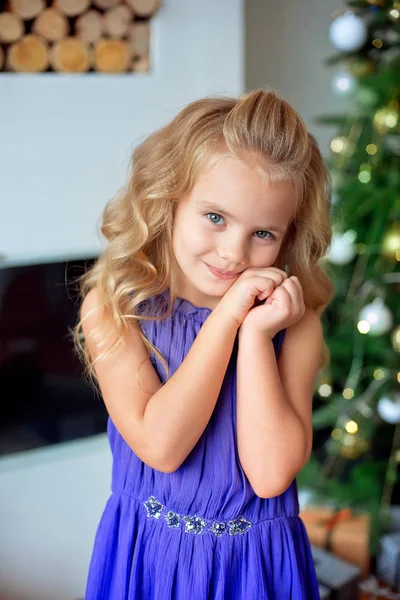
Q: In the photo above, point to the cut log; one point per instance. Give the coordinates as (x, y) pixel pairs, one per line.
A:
(29, 55)
(27, 9)
(72, 8)
(139, 38)
(112, 56)
(142, 65)
(117, 21)
(51, 24)
(105, 4)
(71, 56)
(11, 27)
(90, 26)
(144, 8)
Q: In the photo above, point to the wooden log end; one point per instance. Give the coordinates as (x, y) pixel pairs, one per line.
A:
(29, 55)
(72, 8)
(27, 9)
(112, 56)
(117, 21)
(71, 55)
(51, 24)
(11, 27)
(89, 27)
(144, 8)
(139, 38)
(105, 4)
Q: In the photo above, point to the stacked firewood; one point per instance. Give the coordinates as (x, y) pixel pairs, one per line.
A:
(76, 36)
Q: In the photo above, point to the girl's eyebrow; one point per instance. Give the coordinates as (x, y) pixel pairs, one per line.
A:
(222, 211)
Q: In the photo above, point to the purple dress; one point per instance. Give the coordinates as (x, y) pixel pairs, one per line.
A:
(201, 532)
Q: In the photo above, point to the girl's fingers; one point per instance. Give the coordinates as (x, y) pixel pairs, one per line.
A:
(296, 294)
(296, 289)
(291, 284)
(272, 284)
(280, 293)
(298, 284)
(273, 273)
(291, 289)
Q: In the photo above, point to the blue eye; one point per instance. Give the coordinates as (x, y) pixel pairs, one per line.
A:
(214, 215)
(266, 232)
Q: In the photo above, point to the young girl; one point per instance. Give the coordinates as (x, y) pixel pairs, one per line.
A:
(201, 321)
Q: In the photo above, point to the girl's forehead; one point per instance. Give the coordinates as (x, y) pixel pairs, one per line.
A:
(230, 176)
(249, 167)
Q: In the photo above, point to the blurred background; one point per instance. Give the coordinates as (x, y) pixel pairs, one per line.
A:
(81, 84)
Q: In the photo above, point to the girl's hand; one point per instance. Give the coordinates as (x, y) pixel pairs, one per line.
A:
(252, 286)
(283, 308)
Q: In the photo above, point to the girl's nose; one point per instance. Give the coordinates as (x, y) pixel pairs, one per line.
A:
(233, 253)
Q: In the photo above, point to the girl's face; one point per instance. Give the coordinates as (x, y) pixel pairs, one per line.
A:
(231, 220)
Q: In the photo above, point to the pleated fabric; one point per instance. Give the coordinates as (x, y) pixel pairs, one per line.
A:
(199, 533)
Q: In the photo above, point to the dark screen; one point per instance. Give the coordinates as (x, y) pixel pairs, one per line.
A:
(43, 397)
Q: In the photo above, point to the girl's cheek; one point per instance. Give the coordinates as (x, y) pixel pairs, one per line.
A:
(197, 238)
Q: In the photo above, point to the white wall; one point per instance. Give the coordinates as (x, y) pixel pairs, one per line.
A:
(51, 500)
(66, 140)
(286, 44)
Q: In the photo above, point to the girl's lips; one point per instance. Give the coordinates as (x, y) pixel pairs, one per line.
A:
(220, 274)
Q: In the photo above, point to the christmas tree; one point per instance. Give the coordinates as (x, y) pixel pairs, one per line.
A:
(356, 416)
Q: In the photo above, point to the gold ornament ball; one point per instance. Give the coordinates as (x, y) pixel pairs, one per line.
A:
(340, 145)
(386, 118)
(394, 12)
(391, 242)
(396, 339)
(361, 67)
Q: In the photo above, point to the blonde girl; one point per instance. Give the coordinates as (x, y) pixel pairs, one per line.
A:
(200, 325)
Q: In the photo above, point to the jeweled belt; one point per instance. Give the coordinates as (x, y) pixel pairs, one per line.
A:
(195, 523)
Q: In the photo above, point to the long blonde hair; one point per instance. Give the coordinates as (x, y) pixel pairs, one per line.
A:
(138, 262)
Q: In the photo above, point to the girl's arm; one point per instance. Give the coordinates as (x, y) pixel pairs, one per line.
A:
(274, 403)
(162, 424)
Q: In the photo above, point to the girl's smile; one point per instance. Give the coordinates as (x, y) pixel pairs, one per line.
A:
(222, 274)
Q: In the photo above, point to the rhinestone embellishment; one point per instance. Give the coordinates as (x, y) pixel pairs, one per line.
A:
(238, 525)
(194, 523)
(153, 507)
(172, 519)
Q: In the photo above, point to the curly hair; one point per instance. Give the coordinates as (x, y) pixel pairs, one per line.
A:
(138, 261)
